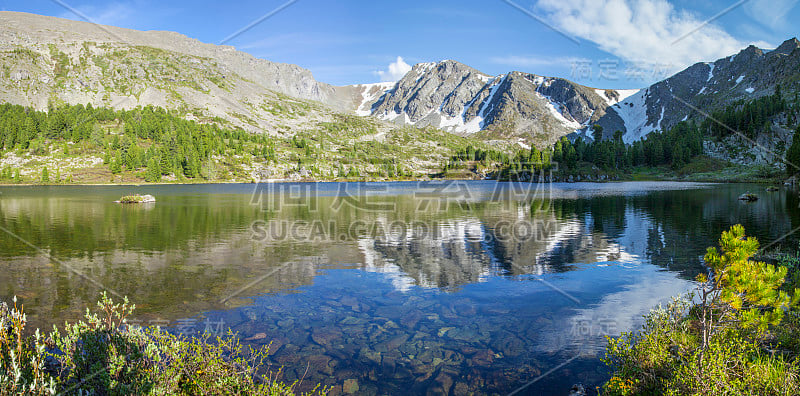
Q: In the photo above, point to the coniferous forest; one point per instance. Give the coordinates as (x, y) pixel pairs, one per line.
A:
(673, 148)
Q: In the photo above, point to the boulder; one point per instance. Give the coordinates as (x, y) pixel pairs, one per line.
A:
(577, 390)
(748, 197)
(136, 198)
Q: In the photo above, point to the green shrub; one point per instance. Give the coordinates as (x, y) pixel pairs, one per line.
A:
(22, 359)
(736, 336)
(102, 355)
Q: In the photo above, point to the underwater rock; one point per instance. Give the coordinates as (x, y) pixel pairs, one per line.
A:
(445, 382)
(483, 357)
(350, 386)
(325, 336)
(509, 344)
(411, 319)
(370, 355)
(286, 323)
(320, 364)
(461, 388)
(257, 336)
(352, 321)
(392, 344)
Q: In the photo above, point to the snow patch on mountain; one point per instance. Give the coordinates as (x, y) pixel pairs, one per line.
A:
(558, 110)
(499, 81)
(457, 124)
(750, 90)
(423, 68)
(739, 80)
(370, 93)
(633, 112)
(710, 71)
(622, 94)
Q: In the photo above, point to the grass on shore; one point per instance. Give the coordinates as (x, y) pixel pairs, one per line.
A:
(102, 355)
(706, 169)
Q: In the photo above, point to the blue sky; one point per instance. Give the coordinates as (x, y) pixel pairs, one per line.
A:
(600, 43)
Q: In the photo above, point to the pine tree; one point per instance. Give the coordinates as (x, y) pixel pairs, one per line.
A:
(558, 152)
(597, 133)
(166, 161)
(45, 175)
(153, 173)
(191, 164)
(739, 289)
(116, 164)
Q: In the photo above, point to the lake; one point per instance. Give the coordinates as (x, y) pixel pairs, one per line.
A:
(385, 288)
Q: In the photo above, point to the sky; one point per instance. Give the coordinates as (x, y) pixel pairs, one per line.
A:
(619, 44)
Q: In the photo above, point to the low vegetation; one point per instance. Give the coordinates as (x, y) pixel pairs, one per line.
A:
(87, 145)
(101, 355)
(735, 335)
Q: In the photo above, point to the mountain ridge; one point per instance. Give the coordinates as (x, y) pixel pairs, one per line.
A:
(749, 74)
(49, 60)
(532, 108)
(19, 26)
(574, 110)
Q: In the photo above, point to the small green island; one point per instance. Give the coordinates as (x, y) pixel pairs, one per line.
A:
(136, 198)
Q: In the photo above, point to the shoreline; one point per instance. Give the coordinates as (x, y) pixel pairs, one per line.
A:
(764, 182)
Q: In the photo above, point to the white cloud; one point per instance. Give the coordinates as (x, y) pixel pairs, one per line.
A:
(397, 70)
(642, 30)
(771, 13)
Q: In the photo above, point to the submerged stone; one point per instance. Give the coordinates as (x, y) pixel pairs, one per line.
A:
(350, 386)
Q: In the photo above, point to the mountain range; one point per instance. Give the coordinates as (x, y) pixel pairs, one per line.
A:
(50, 61)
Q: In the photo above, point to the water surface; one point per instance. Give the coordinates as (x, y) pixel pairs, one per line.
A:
(396, 287)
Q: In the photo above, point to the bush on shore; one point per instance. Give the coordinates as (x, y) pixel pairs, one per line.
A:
(101, 355)
(735, 335)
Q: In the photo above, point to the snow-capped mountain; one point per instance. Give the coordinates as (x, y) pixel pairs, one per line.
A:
(538, 109)
(49, 59)
(460, 99)
(751, 73)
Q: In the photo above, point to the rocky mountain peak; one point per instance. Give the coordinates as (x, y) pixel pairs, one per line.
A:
(788, 46)
(458, 98)
(749, 53)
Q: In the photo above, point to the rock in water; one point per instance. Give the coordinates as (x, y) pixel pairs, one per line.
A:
(137, 199)
(577, 390)
(748, 197)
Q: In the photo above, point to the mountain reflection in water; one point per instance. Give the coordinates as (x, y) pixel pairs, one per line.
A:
(473, 287)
